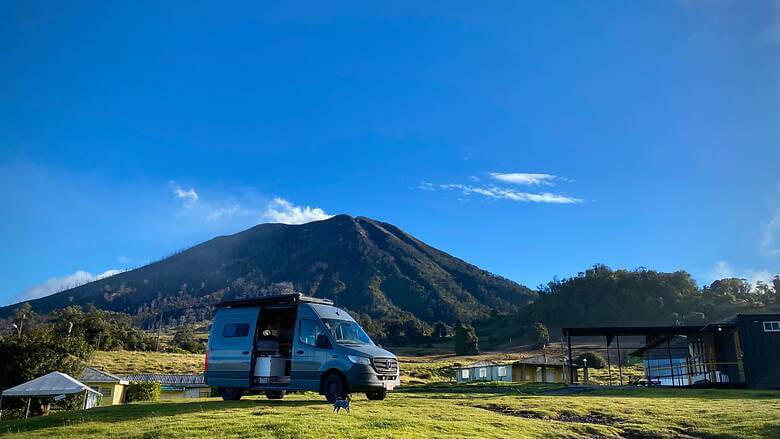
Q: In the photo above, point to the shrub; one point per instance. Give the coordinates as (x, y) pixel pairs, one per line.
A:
(148, 391)
(595, 360)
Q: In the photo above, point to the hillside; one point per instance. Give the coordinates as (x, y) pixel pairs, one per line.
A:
(369, 267)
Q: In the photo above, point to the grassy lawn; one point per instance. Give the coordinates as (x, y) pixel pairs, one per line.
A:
(435, 411)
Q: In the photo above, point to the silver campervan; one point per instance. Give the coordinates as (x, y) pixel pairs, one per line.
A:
(289, 343)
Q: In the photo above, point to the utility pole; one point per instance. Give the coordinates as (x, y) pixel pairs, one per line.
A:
(159, 330)
(21, 324)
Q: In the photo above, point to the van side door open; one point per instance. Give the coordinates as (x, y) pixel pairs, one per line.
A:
(230, 349)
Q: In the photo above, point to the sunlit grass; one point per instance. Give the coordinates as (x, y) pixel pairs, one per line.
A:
(467, 411)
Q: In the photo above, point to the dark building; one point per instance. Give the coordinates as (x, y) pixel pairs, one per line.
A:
(742, 351)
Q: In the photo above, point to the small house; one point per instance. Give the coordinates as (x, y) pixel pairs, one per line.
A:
(174, 386)
(112, 387)
(483, 371)
(540, 369)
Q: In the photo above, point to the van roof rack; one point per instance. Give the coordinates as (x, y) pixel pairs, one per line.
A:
(273, 300)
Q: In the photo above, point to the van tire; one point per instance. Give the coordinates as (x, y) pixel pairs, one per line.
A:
(376, 395)
(334, 387)
(274, 394)
(231, 393)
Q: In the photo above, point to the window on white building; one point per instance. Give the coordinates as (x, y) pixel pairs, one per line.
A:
(464, 374)
(482, 372)
(502, 371)
(771, 326)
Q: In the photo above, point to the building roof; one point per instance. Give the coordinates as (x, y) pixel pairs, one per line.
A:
(192, 380)
(54, 383)
(93, 375)
(478, 364)
(548, 360)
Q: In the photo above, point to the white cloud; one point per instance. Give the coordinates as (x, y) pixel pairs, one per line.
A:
(723, 270)
(59, 283)
(189, 196)
(524, 178)
(511, 194)
(770, 237)
(280, 210)
(225, 212)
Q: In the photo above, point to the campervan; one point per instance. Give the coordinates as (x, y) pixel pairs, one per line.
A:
(293, 343)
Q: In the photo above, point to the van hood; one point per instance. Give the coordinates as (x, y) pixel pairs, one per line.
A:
(366, 351)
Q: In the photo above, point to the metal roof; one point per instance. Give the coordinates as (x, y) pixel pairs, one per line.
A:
(478, 364)
(54, 383)
(191, 380)
(100, 376)
(541, 360)
(279, 299)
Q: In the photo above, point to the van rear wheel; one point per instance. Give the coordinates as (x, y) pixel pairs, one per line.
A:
(376, 395)
(274, 394)
(334, 388)
(231, 393)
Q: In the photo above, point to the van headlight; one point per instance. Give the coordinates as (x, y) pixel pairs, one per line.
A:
(359, 360)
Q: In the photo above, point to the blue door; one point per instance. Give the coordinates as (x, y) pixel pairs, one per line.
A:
(230, 347)
(308, 358)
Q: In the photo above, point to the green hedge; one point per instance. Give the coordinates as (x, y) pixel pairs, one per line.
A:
(148, 391)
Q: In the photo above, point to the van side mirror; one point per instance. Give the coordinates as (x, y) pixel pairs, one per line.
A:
(322, 342)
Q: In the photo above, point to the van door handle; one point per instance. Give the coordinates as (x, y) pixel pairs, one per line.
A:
(245, 353)
(299, 352)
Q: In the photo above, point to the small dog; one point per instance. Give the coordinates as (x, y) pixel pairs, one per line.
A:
(342, 404)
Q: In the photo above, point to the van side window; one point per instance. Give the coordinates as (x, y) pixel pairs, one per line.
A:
(235, 330)
(309, 331)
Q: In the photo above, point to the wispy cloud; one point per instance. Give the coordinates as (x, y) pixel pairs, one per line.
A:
(722, 270)
(280, 210)
(219, 213)
(499, 191)
(770, 244)
(59, 283)
(189, 196)
(511, 194)
(523, 178)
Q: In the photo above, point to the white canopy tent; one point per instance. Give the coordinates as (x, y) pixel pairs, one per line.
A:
(52, 384)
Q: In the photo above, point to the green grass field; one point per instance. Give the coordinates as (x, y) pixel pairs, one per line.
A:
(434, 411)
(428, 405)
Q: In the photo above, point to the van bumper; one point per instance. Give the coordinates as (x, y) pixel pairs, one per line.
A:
(363, 378)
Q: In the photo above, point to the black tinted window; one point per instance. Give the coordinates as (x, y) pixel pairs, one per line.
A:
(309, 331)
(235, 330)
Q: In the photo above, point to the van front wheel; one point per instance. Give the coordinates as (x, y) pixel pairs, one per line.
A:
(231, 393)
(376, 395)
(334, 388)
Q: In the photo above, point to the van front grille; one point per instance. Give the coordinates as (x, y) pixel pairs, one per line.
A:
(385, 365)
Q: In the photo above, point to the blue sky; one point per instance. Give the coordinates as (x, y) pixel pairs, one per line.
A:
(532, 140)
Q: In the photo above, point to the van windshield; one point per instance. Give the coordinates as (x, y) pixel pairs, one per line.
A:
(347, 332)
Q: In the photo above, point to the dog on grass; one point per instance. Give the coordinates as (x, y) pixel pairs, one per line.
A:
(342, 403)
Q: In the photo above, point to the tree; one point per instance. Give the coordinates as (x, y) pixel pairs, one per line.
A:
(184, 338)
(38, 351)
(540, 334)
(440, 330)
(466, 341)
(414, 331)
(595, 360)
(393, 330)
(776, 284)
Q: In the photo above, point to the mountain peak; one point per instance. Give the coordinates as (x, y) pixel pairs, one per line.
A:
(370, 267)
